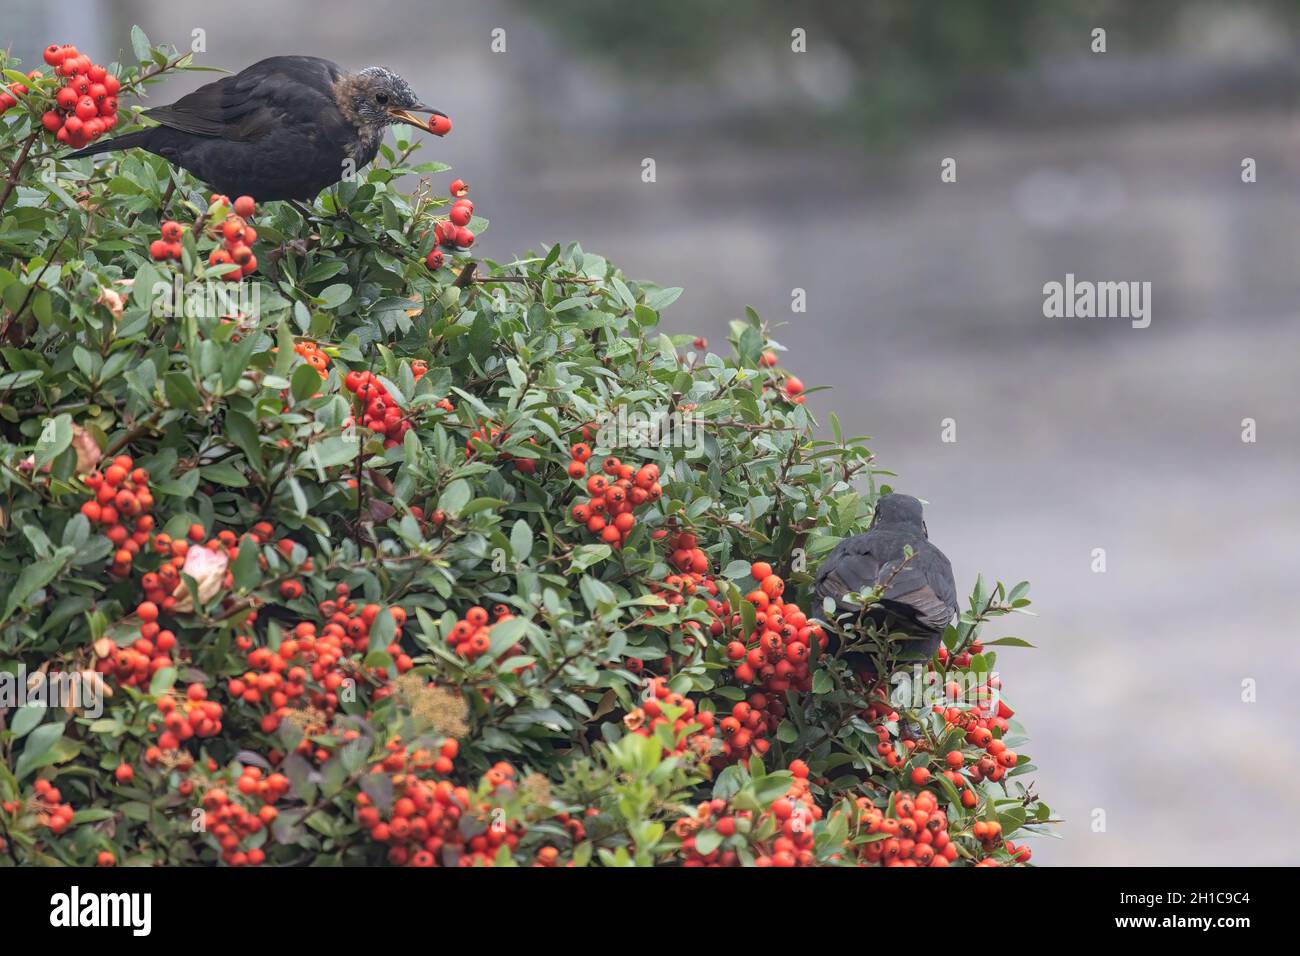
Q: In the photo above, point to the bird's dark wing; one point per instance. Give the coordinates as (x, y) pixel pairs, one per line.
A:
(924, 590)
(851, 567)
(921, 590)
(248, 105)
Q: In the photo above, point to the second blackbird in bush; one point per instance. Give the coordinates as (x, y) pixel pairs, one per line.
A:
(920, 597)
(284, 128)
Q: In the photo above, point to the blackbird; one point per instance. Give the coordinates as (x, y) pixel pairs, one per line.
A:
(284, 128)
(920, 597)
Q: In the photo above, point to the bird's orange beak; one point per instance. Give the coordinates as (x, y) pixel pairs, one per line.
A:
(438, 123)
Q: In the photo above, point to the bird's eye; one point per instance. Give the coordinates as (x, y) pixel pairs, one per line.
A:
(381, 98)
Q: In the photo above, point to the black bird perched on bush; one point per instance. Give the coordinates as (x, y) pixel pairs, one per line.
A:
(920, 597)
(282, 129)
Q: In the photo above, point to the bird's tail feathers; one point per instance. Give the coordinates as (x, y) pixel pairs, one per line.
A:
(129, 141)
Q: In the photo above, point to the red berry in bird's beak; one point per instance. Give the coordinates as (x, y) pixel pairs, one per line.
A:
(439, 125)
(459, 188)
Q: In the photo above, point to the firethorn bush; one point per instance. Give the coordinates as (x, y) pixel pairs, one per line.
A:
(379, 562)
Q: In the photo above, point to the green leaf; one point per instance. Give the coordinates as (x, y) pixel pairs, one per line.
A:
(33, 577)
(180, 391)
(25, 718)
(56, 436)
(162, 682)
(706, 841)
(241, 430)
(38, 749)
(140, 45)
(245, 570)
(454, 497)
(306, 382)
(521, 540)
(224, 473)
(333, 296)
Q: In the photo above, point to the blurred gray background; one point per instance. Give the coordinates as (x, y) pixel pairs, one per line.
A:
(820, 171)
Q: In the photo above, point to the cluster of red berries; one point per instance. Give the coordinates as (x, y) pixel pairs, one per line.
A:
(646, 719)
(781, 836)
(48, 806)
(471, 636)
(314, 356)
(305, 674)
(231, 824)
(915, 834)
(135, 664)
(163, 587)
(882, 716)
(453, 232)
(685, 554)
(775, 654)
(424, 825)
(237, 238)
(994, 764)
(168, 245)
(615, 494)
(86, 103)
(183, 719)
(674, 591)
(121, 495)
(380, 413)
(9, 93)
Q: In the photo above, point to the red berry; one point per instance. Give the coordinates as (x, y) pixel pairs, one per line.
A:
(124, 773)
(439, 125)
(459, 188)
(460, 215)
(245, 206)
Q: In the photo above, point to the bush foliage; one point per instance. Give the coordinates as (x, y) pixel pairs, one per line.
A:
(314, 642)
